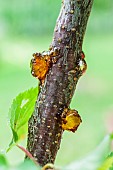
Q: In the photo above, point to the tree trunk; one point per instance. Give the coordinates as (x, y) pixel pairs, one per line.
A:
(45, 126)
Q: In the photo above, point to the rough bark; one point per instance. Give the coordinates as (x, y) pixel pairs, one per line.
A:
(45, 131)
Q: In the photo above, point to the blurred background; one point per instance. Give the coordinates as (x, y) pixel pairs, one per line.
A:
(27, 27)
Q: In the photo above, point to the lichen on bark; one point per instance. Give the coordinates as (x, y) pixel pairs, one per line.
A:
(45, 130)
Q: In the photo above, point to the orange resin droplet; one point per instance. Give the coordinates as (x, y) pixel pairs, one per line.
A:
(71, 121)
(82, 55)
(82, 65)
(40, 66)
(41, 63)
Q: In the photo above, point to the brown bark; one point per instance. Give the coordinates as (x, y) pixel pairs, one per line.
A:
(45, 132)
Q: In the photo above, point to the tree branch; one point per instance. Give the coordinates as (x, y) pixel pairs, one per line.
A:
(45, 126)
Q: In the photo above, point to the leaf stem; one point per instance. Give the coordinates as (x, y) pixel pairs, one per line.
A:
(29, 155)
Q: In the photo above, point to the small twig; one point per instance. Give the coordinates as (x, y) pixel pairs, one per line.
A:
(29, 155)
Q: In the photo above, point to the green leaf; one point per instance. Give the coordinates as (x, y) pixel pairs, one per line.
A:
(110, 155)
(20, 112)
(94, 160)
(108, 163)
(3, 161)
(29, 165)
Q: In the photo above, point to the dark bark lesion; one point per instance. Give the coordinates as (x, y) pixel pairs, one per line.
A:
(45, 126)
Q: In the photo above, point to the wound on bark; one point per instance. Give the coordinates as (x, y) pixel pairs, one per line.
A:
(45, 126)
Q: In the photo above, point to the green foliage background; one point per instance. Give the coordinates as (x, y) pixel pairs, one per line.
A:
(39, 17)
(27, 27)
